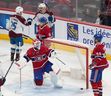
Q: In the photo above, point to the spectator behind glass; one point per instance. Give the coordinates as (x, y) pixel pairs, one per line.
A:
(62, 7)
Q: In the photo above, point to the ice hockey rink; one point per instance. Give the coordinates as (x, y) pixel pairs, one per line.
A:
(14, 87)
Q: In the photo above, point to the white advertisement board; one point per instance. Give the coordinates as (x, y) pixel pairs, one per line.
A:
(82, 33)
(71, 30)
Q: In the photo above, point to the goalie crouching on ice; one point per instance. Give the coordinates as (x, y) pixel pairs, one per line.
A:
(39, 55)
(99, 63)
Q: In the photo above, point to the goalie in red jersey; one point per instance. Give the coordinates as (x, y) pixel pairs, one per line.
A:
(99, 63)
(39, 55)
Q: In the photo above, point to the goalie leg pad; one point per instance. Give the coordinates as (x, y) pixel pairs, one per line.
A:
(54, 78)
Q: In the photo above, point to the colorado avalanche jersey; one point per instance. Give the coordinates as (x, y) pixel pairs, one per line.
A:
(16, 26)
(46, 15)
(98, 57)
(38, 57)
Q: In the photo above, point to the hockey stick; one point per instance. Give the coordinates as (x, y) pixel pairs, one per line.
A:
(9, 68)
(26, 37)
(20, 69)
(60, 60)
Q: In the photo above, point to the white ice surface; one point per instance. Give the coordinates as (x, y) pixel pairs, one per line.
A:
(71, 87)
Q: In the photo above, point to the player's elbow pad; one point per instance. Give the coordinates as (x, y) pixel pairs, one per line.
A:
(27, 59)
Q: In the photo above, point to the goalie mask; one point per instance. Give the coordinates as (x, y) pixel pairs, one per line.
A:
(37, 44)
(19, 10)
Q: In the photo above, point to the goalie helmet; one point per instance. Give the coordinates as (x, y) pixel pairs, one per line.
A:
(42, 5)
(98, 37)
(37, 44)
(19, 9)
(43, 20)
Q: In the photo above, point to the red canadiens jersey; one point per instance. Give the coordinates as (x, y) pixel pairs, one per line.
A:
(43, 31)
(100, 60)
(39, 57)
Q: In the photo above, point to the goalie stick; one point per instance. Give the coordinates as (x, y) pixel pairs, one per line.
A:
(55, 55)
(20, 73)
(60, 60)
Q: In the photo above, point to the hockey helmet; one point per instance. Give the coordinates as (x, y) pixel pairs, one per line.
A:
(36, 44)
(42, 5)
(42, 20)
(98, 37)
(19, 9)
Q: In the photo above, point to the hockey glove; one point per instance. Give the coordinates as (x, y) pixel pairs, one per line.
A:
(41, 37)
(29, 21)
(92, 56)
(99, 56)
(50, 18)
(91, 66)
(2, 81)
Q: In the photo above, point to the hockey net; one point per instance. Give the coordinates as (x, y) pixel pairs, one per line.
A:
(70, 59)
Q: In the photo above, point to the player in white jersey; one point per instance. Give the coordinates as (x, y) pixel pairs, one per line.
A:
(44, 12)
(17, 23)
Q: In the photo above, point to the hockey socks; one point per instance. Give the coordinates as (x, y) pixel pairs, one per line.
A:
(95, 88)
(100, 88)
(12, 54)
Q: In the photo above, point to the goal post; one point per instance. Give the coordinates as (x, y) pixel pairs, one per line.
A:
(68, 45)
